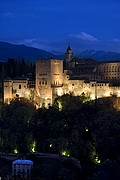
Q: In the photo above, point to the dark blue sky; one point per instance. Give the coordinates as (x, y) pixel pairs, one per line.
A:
(52, 24)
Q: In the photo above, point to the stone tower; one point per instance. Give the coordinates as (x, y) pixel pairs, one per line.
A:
(68, 57)
(49, 79)
(68, 54)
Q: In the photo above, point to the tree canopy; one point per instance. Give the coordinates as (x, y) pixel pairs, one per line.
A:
(75, 127)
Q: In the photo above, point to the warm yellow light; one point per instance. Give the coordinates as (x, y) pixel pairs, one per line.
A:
(50, 145)
(65, 153)
(59, 105)
(15, 151)
(46, 98)
(97, 160)
(27, 94)
(59, 92)
(92, 96)
(38, 94)
(36, 106)
(33, 146)
(106, 93)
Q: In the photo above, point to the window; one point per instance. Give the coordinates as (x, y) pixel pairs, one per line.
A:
(43, 74)
(112, 68)
(107, 69)
(19, 86)
(118, 68)
(56, 74)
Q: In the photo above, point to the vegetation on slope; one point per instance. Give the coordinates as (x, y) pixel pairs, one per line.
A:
(73, 127)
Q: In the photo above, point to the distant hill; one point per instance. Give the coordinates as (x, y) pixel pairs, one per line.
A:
(100, 55)
(8, 50)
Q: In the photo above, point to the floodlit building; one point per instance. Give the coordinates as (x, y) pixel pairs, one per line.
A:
(55, 77)
(49, 79)
(18, 87)
(77, 76)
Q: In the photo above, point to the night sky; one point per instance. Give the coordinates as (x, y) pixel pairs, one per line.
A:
(53, 24)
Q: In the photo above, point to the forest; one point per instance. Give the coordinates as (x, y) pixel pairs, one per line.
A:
(72, 127)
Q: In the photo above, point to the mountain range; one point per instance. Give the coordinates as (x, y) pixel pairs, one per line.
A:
(8, 50)
(100, 55)
(18, 52)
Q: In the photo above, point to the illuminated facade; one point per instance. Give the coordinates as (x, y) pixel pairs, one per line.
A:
(56, 77)
(77, 77)
(7, 91)
(49, 79)
(19, 87)
(110, 70)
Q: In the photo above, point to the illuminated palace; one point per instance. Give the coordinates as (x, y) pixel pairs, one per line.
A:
(56, 77)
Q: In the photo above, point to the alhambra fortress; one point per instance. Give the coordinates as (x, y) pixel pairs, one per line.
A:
(55, 77)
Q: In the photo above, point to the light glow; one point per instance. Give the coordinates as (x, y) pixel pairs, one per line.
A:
(59, 92)
(97, 160)
(59, 105)
(15, 151)
(65, 153)
(92, 96)
(33, 147)
(50, 145)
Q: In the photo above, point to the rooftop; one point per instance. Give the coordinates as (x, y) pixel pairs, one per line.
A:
(22, 161)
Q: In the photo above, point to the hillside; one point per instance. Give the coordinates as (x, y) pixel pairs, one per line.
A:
(100, 55)
(8, 50)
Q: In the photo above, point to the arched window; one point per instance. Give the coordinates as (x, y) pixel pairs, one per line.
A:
(109, 68)
(112, 68)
